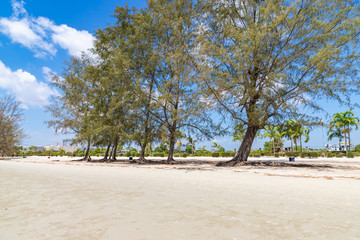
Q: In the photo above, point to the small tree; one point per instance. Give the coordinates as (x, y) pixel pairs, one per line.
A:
(10, 131)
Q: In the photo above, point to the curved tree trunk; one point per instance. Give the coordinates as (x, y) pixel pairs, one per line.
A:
(107, 151)
(349, 139)
(87, 150)
(244, 149)
(142, 152)
(345, 143)
(171, 146)
(113, 157)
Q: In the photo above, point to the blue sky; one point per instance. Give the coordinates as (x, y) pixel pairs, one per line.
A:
(36, 37)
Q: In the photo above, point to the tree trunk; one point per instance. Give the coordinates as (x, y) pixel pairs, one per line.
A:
(345, 143)
(273, 145)
(142, 152)
(87, 150)
(349, 139)
(171, 146)
(113, 157)
(107, 151)
(300, 144)
(244, 149)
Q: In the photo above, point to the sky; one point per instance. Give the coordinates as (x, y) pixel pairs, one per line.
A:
(37, 37)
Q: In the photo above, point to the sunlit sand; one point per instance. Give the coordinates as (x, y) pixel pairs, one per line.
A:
(45, 199)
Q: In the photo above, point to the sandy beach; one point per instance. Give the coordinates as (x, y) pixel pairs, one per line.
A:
(56, 198)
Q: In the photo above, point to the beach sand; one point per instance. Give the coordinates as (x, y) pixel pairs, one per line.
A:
(45, 199)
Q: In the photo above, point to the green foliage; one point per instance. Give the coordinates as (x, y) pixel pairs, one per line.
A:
(184, 155)
(340, 155)
(276, 155)
(189, 149)
(226, 154)
(357, 148)
(161, 148)
(330, 154)
(11, 132)
(177, 155)
(292, 154)
(215, 154)
(350, 155)
(159, 154)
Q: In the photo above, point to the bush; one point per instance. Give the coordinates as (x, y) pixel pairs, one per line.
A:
(330, 155)
(313, 154)
(159, 154)
(276, 155)
(225, 154)
(292, 154)
(350, 155)
(257, 155)
(340, 155)
(177, 155)
(215, 154)
(268, 154)
(184, 155)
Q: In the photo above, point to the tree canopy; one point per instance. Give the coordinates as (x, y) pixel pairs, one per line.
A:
(11, 132)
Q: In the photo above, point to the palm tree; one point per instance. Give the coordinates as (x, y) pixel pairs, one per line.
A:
(291, 131)
(343, 121)
(335, 132)
(273, 133)
(304, 131)
(350, 120)
(192, 142)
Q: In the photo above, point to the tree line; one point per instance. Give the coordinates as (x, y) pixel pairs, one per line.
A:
(182, 66)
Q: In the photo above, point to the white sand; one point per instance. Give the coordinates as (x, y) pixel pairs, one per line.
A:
(42, 199)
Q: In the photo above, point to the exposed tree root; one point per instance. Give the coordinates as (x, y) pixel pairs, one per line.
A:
(230, 163)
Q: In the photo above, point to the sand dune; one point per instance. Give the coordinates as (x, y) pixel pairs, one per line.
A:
(68, 200)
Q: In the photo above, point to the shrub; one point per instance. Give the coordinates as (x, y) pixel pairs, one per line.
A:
(330, 155)
(292, 154)
(350, 155)
(268, 154)
(177, 155)
(276, 155)
(225, 154)
(159, 154)
(184, 155)
(340, 155)
(257, 155)
(313, 154)
(215, 154)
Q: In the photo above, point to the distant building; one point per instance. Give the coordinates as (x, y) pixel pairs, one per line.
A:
(337, 148)
(39, 148)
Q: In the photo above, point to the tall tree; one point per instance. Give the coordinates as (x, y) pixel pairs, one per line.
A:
(273, 133)
(333, 132)
(72, 108)
(262, 59)
(11, 132)
(177, 104)
(342, 122)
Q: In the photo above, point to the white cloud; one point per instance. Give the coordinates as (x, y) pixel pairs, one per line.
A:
(48, 73)
(41, 35)
(25, 87)
(19, 31)
(71, 39)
